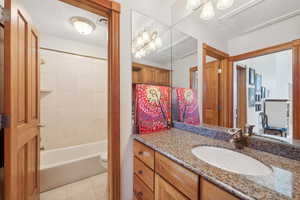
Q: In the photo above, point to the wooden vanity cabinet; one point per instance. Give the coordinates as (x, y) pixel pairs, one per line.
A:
(156, 177)
(165, 191)
(144, 74)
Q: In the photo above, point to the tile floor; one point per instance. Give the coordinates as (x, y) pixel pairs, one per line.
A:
(93, 188)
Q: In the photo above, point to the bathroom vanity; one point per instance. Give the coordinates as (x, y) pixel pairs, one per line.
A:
(166, 168)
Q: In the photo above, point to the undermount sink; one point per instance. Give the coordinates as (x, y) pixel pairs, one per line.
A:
(231, 161)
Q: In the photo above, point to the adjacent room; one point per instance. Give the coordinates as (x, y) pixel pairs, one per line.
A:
(72, 98)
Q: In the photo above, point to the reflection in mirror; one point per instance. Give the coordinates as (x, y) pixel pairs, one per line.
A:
(263, 94)
(185, 78)
(151, 74)
(246, 66)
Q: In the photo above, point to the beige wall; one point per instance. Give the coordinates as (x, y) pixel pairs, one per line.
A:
(75, 110)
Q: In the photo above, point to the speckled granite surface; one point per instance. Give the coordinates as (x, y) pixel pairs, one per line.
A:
(283, 183)
(286, 149)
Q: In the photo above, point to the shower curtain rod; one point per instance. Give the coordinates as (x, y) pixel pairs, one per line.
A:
(74, 54)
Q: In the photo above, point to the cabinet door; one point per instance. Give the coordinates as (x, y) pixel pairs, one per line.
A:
(140, 190)
(162, 77)
(209, 191)
(164, 190)
(148, 75)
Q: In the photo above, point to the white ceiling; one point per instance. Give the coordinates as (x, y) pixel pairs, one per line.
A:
(249, 15)
(52, 17)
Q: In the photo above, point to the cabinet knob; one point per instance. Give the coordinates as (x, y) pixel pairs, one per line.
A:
(141, 153)
(140, 172)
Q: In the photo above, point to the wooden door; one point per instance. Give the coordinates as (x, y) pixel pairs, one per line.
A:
(164, 190)
(211, 93)
(21, 105)
(241, 97)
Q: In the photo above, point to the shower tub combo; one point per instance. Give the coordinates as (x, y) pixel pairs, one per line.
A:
(67, 165)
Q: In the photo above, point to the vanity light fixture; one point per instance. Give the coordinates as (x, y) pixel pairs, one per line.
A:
(208, 11)
(83, 25)
(147, 41)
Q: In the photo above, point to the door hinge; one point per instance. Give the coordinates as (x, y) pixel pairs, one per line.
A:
(4, 121)
(4, 14)
(219, 71)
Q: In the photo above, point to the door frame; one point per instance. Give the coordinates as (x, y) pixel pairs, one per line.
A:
(226, 82)
(111, 10)
(239, 95)
(294, 45)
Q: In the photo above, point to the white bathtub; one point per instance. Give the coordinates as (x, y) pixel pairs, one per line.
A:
(67, 165)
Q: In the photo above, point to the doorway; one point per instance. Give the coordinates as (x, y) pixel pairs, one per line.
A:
(242, 97)
(23, 95)
(217, 76)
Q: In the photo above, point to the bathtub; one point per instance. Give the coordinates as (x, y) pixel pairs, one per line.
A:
(67, 165)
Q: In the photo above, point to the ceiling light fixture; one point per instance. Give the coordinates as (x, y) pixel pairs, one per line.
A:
(208, 11)
(224, 4)
(193, 4)
(147, 41)
(83, 25)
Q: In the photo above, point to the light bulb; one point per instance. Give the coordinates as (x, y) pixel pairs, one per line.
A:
(193, 4)
(146, 36)
(139, 41)
(137, 55)
(152, 46)
(142, 52)
(133, 50)
(208, 11)
(224, 4)
(158, 42)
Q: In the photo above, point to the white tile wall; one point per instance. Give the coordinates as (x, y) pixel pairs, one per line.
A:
(75, 112)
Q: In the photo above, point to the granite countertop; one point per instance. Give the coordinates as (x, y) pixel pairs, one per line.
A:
(282, 183)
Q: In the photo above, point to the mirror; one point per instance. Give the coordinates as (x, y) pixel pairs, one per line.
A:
(151, 74)
(240, 66)
(185, 78)
(263, 91)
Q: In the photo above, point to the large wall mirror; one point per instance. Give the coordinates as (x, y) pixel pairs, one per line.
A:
(246, 68)
(226, 68)
(151, 74)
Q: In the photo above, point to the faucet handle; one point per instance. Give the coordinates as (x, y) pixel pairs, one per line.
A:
(234, 131)
(249, 129)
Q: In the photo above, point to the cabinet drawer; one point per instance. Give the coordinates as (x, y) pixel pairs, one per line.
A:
(144, 173)
(165, 191)
(209, 191)
(144, 153)
(184, 180)
(141, 191)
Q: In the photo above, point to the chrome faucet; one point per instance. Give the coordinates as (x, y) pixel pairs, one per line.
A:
(239, 139)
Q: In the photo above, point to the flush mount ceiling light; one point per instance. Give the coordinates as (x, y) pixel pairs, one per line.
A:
(208, 11)
(83, 25)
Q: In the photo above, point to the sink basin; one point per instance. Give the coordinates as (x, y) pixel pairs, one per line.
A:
(231, 161)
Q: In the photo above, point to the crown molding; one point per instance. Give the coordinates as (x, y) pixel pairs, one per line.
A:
(240, 9)
(273, 21)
